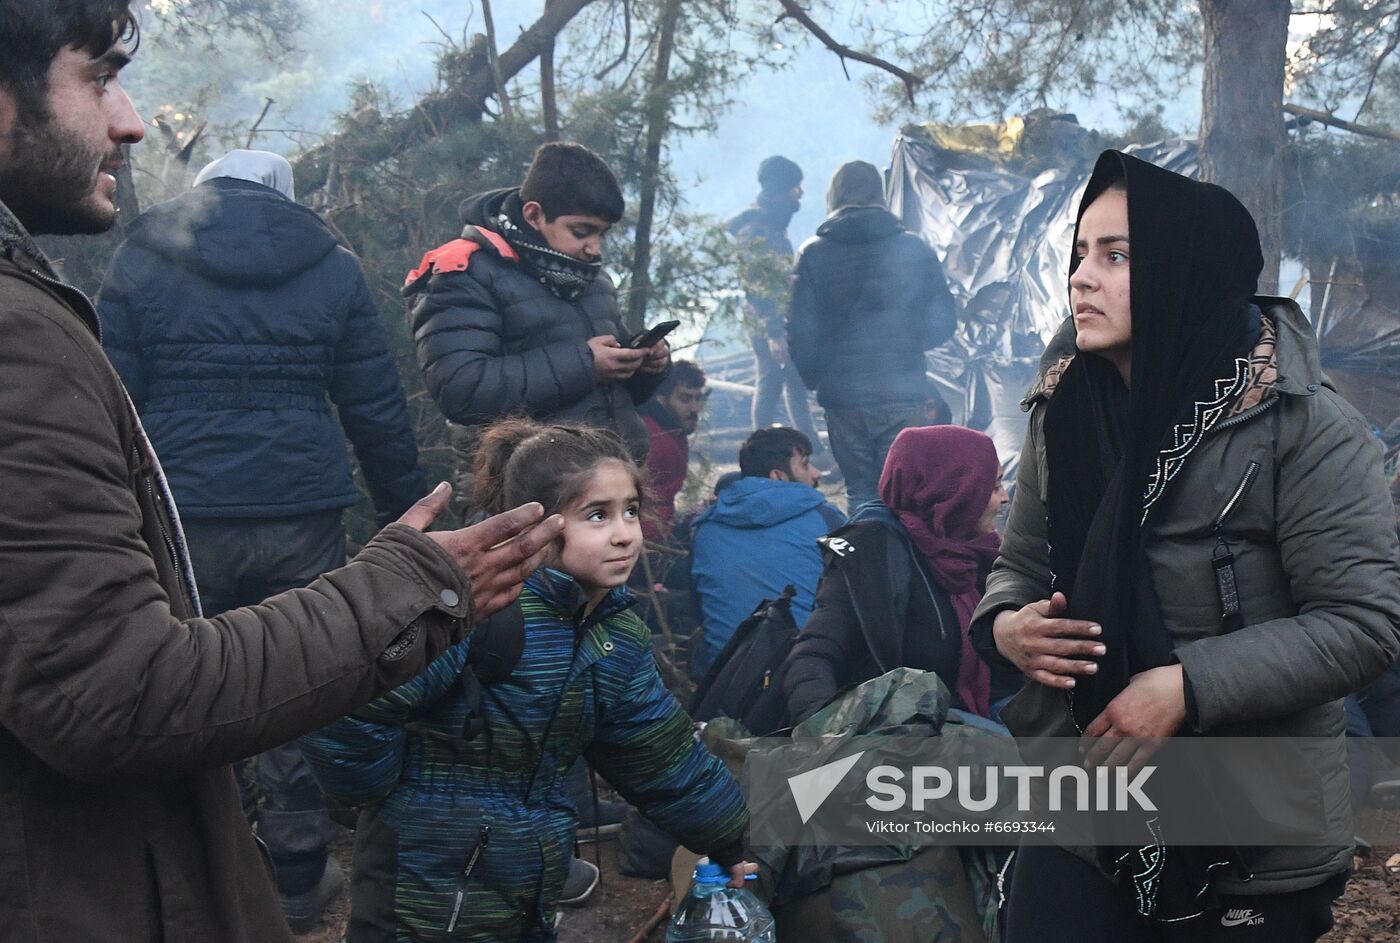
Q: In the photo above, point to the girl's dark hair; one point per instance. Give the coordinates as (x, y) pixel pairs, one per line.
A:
(519, 460)
(33, 32)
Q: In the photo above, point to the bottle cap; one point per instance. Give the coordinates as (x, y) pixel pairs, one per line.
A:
(707, 872)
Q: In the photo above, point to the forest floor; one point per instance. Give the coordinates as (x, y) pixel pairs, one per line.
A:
(621, 906)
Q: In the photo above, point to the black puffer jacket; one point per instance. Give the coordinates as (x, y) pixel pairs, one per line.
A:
(868, 299)
(236, 321)
(877, 609)
(494, 341)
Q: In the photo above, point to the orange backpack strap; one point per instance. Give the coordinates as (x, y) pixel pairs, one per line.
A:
(456, 255)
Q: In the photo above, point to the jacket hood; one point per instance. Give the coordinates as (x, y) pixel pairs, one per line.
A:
(264, 167)
(857, 183)
(858, 224)
(483, 208)
(761, 502)
(235, 231)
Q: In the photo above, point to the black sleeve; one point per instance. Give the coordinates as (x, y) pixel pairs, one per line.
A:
(369, 398)
(832, 637)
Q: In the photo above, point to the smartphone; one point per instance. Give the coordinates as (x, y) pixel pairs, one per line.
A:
(653, 334)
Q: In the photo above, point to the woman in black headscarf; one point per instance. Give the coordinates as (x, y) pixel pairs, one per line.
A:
(1193, 548)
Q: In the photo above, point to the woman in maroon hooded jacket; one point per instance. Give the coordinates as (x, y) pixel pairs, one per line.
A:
(902, 579)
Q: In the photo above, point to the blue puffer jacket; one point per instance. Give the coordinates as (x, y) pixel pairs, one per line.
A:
(470, 839)
(757, 538)
(236, 321)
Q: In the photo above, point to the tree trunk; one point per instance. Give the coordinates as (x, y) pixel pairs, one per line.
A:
(658, 119)
(1242, 133)
(549, 101)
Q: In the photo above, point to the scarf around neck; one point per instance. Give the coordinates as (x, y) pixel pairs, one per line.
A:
(562, 274)
(938, 481)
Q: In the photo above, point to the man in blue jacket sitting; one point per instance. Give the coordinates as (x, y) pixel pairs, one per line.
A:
(760, 536)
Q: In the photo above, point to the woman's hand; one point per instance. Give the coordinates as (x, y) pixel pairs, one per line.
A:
(1133, 725)
(1044, 645)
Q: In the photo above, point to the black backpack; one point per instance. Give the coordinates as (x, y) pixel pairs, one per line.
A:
(746, 680)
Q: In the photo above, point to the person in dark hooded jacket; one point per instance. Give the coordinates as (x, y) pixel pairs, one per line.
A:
(518, 316)
(236, 319)
(868, 299)
(762, 229)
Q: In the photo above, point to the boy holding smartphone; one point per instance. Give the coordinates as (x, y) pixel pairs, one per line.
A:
(517, 315)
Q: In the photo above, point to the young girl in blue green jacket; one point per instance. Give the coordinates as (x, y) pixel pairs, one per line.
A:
(467, 828)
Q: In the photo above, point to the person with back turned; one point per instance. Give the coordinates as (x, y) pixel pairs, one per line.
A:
(237, 320)
(868, 298)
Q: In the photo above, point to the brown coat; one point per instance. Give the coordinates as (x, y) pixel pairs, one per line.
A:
(120, 707)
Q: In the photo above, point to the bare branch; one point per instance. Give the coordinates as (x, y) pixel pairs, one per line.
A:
(626, 41)
(911, 81)
(253, 131)
(1390, 46)
(1322, 117)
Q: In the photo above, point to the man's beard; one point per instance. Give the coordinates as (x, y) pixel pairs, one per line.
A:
(49, 181)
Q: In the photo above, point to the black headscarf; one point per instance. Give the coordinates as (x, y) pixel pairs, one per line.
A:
(1112, 451)
(1195, 261)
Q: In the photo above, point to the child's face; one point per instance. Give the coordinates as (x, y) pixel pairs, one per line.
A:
(577, 236)
(602, 536)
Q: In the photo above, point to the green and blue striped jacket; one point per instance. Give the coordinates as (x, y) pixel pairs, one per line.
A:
(476, 835)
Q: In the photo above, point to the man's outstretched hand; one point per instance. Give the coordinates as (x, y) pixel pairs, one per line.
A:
(496, 554)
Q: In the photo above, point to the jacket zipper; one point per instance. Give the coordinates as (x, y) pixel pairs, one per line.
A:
(1247, 414)
(1241, 490)
(483, 838)
(1222, 558)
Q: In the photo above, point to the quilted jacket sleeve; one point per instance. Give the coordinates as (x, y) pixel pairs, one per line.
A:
(369, 398)
(359, 758)
(804, 328)
(458, 328)
(644, 748)
(117, 309)
(935, 302)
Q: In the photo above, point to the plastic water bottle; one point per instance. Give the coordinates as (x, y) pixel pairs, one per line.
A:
(714, 912)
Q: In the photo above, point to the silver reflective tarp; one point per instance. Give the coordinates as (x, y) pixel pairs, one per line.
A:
(1004, 238)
